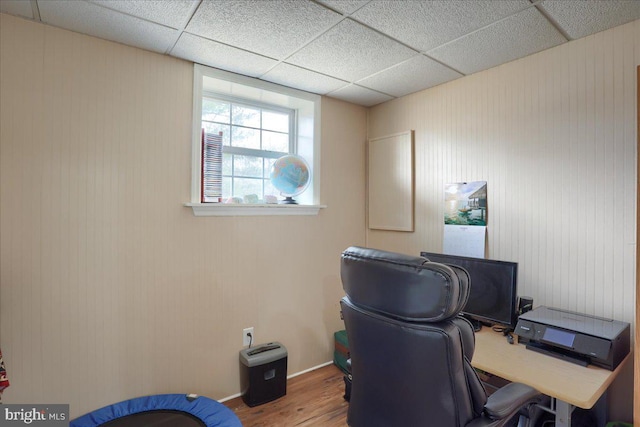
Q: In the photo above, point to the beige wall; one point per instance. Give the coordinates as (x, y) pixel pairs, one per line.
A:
(110, 287)
(554, 136)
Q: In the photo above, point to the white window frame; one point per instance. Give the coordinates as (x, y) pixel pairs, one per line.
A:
(257, 152)
(307, 107)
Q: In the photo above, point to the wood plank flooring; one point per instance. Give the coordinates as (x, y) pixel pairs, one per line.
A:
(312, 399)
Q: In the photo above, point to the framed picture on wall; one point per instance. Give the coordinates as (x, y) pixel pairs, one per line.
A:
(390, 182)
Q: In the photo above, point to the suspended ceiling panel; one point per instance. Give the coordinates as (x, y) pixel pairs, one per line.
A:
(173, 13)
(426, 25)
(518, 35)
(410, 76)
(351, 51)
(88, 18)
(219, 55)
(271, 28)
(579, 18)
(365, 52)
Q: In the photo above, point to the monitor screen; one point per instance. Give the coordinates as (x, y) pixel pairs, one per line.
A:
(493, 292)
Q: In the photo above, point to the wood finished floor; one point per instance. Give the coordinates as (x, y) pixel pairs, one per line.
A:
(312, 399)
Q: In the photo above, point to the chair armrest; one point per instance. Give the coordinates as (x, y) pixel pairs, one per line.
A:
(507, 400)
(505, 403)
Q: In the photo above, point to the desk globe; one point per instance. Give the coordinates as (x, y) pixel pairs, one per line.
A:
(290, 175)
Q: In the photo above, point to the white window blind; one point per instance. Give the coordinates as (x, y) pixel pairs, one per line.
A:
(211, 167)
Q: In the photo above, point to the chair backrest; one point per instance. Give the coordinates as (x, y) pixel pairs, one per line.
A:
(410, 351)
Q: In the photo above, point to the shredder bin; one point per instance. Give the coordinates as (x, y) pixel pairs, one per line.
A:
(263, 373)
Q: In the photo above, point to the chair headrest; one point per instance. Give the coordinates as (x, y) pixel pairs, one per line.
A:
(401, 286)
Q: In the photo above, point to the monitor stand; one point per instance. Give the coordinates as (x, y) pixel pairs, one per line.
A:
(477, 325)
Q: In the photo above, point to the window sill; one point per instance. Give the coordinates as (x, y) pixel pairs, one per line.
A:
(221, 209)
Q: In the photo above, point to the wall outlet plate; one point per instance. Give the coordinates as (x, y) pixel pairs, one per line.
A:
(246, 339)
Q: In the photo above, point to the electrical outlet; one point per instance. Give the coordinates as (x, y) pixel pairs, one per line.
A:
(247, 336)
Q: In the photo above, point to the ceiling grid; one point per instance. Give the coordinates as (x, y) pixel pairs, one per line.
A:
(361, 51)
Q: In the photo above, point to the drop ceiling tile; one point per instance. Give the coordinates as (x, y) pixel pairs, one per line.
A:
(351, 51)
(272, 28)
(515, 37)
(299, 78)
(345, 6)
(425, 25)
(360, 95)
(173, 13)
(207, 52)
(580, 18)
(17, 8)
(87, 18)
(410, 76)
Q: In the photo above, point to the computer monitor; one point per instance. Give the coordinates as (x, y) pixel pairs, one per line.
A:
(493, 292)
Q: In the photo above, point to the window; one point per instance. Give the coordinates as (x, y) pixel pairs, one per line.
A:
(259, 122)
(253, 137)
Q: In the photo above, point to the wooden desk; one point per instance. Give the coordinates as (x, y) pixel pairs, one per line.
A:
(568, 384)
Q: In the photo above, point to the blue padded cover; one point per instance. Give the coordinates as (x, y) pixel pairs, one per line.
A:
(212, 413)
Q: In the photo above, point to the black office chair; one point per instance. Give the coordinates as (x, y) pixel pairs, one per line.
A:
(411, 351)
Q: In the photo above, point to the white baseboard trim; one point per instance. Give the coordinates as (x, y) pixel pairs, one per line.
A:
(310, 369)
(233, 396)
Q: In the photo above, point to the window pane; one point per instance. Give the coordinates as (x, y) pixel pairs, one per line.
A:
(275, 121)
(227, 165)
(244, 186)
(244, 126)
(216, 128)
(274, 141)
(226, 188)
(247, 138)
(270, 189)
(246, 116)
(247, 166)
(268, 164)
(215, 111)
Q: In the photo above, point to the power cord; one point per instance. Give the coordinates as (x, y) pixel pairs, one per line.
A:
(509, 338)
(505, 331)
(525, 308)
(250, 338)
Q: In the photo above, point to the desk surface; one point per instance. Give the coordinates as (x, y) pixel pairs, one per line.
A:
(578, 385)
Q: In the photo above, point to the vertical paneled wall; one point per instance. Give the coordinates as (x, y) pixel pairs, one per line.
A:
(554, 136)
(109, 287)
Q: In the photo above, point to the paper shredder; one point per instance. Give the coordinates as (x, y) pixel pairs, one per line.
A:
(263, 373)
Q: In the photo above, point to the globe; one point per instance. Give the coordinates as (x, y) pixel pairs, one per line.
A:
(290, 175)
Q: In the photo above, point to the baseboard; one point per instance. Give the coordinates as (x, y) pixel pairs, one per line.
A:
(233, 396)
(309, 370)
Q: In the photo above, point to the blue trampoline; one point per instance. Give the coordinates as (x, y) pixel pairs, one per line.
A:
(162, 410)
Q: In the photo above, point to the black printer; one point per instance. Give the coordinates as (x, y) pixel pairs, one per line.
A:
(575, 337)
